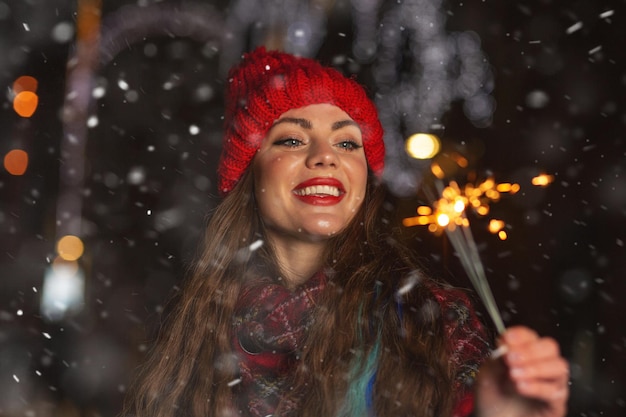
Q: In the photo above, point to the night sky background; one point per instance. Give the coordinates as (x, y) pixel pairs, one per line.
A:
(151, 149)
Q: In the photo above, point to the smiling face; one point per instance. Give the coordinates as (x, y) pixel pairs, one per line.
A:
(310, 173)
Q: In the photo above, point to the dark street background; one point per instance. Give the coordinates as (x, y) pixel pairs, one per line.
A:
(131, 169)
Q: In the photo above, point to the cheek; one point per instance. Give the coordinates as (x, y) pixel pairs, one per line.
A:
(359, 180)
(272, 181)
(354, 207)
(266, 175)
(360, 188)
(269, 211)
(277, 170)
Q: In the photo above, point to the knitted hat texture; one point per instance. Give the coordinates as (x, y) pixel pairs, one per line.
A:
(265, 85)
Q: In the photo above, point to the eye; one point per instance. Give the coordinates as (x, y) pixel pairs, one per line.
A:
(348, 145)
(288, 142)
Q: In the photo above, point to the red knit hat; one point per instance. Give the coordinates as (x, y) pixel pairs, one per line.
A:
(265, 85)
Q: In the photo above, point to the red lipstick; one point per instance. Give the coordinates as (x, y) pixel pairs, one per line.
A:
(320, 191)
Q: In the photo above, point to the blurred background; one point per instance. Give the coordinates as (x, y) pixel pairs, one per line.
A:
(110, 129)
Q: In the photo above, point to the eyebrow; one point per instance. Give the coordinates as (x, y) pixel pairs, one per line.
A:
(344, 123)
(306, 124)
(298, 121)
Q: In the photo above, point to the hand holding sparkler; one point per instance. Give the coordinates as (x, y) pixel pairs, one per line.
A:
(526, 376)
(529, 380)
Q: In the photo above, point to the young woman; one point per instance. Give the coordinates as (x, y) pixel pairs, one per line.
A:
(303, 302)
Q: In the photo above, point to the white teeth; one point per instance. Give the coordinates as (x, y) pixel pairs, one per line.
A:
(319, 189)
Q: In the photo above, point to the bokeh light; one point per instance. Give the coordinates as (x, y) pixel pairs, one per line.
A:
(443, 220)
(63, 290)
(16, 162)
(88, 23)
(25, 83)
(449, 211)
(25, 103)
(422, 146)
(497, 227)
(148, 183)
(25, 98)
(542, 180)
(70, 248)
(67, 267)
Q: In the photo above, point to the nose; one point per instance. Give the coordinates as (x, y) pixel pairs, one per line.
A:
(322, 154)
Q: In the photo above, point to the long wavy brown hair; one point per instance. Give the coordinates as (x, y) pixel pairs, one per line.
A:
(188, 371)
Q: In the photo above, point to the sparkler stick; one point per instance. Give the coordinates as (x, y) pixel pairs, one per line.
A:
(463, 242)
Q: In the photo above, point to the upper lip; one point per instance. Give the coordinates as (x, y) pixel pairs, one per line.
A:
(321, 181)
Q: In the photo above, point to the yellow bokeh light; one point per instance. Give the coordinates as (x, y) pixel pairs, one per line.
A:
(507, 188)
(488, 184)
(70, 248)
(422, 146)
(502, 235)
(495, 225)
(492, 195)
(417, 221)
(443, 219)
(542, 180)
(459, 205)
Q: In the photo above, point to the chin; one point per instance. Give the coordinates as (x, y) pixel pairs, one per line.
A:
(324, 230)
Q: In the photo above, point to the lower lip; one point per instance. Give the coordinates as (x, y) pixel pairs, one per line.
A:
(318, 200)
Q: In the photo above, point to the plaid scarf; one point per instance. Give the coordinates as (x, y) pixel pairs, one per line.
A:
(270, 323)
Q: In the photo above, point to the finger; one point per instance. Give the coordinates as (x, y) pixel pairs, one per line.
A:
(556, 370)
(536, 350)
(518, 335)
(548, 391)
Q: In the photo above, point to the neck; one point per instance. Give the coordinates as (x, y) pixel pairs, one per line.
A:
(298, 260)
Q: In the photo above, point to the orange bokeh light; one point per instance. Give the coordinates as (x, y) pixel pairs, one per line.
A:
(16, 162)
(25, 103)
(25, 83)
(89, 16)
(70, 248)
